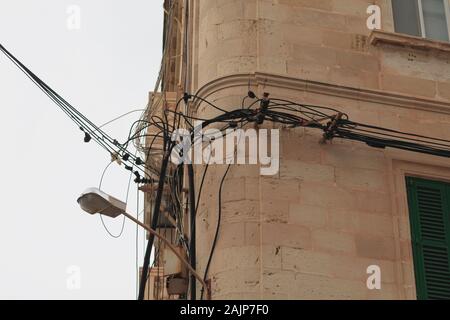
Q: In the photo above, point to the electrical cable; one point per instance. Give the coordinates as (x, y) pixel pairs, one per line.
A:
(101, 216)
(219, 219)
(120, 117)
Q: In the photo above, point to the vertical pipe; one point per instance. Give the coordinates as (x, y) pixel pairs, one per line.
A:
(192, 243)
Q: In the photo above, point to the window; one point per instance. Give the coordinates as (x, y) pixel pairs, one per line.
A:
(423, 18)
(429, 207)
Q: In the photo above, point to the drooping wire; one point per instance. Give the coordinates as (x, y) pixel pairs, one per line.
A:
(101, 216)
(216, 235)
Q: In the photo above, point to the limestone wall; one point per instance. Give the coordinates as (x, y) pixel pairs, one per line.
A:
(333, 210)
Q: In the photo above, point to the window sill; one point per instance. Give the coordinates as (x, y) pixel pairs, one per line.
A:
(378, 37)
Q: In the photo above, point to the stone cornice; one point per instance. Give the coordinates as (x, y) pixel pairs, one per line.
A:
(368, 95)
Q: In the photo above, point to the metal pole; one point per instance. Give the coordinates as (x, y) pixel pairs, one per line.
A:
(192, 243)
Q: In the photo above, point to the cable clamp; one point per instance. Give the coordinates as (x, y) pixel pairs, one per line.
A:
(331, 128)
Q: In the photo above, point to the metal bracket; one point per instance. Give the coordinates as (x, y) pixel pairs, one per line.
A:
(331, 128)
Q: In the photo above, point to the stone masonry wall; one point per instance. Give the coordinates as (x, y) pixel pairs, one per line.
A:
(311, 231)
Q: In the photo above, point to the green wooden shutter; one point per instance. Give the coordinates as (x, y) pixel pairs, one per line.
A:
(429, 206)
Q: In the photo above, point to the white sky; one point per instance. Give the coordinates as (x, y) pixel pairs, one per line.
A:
(105, 69)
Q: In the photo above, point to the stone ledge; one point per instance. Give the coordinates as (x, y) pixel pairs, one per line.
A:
(378, 37)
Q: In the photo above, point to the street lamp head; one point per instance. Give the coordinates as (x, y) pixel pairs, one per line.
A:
(93, 201)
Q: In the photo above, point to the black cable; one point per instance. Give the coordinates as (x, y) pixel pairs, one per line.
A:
(378, 142)
(356, 124)
(219, 218)
(155, 217)
(201, 187)
(90, 129)
(400, 137)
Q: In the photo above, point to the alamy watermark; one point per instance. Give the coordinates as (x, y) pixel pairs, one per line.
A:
(73, 21)
(374, 20)
(73, 281)
(213, 146)
(374, 279)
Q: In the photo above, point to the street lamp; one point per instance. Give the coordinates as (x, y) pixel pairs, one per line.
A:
(93, 201)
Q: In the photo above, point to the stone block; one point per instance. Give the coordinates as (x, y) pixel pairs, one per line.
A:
(252, 234)
(306, 171)
(279, 234)
(327, 196)
(361, 179)
(239, 211)
(231, 283)
(271, 257)
(307, 215)
(331, 241)
(306, 261)
(231, 235)
(375, 247)
(276, 211)
(281, 190)
(408, 85)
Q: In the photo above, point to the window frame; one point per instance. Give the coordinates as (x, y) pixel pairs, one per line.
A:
(447, 15)
(422, 20)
